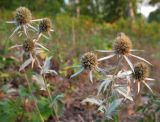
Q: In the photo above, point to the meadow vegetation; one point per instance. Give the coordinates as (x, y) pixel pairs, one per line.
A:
(73, 37)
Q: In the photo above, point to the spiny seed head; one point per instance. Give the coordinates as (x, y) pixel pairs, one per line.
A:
(141, 71)
(23, 15)
(28, 45)
(89, 61)
(122, 44)
(45, 25)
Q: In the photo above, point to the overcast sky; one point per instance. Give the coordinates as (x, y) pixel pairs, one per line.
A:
(145, 9)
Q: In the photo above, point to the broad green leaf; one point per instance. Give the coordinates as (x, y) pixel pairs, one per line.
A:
(57, 104)
(43, 105)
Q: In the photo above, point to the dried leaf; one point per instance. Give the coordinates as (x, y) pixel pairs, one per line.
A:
(25, 64)
(129, 62)
(124, 92)
(81, 70)
(107, 57)
(39, 81)
(93, 101)
(103, 85)
(140, 58)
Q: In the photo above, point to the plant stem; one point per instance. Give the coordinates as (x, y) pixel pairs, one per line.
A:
(50, 97)
(29, 86)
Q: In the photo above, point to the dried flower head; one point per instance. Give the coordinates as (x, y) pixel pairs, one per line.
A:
(45, 25)
(32, 48)
(141, 71)
(89, 61)
(140, 74)
(122, 44)
(28, 45)
(23, 20)
(23, 15)
(123, 48)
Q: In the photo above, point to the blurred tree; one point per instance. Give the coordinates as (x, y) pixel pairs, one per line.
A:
(154, 16)
(51, 6)
(116, 9)
(153, 2)
(107, 10)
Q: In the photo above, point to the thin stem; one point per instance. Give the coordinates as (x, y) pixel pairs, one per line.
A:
(29, 86)
(73, 34)
(6, 46)
(113, 77)
(50, 97)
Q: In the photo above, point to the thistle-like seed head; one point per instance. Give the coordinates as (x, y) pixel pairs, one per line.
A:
(28, 45)
(122, 44)
(89, 61)
(45, 25)
(23, 15)
(141, 71)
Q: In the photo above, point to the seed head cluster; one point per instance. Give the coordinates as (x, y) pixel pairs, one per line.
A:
(122, 44)
(141, 71)
(45, 25)
(23, 15)
(89, 61)
(28, 45)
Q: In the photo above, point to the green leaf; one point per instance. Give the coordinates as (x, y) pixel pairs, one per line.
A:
(10, 109)
(43, 105)
(23, 91)
(57, 104)
(35, 117)
(112, 107)
(6, 87)
(57, 97)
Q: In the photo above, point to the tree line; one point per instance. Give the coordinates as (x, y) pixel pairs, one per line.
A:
(101, 10)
